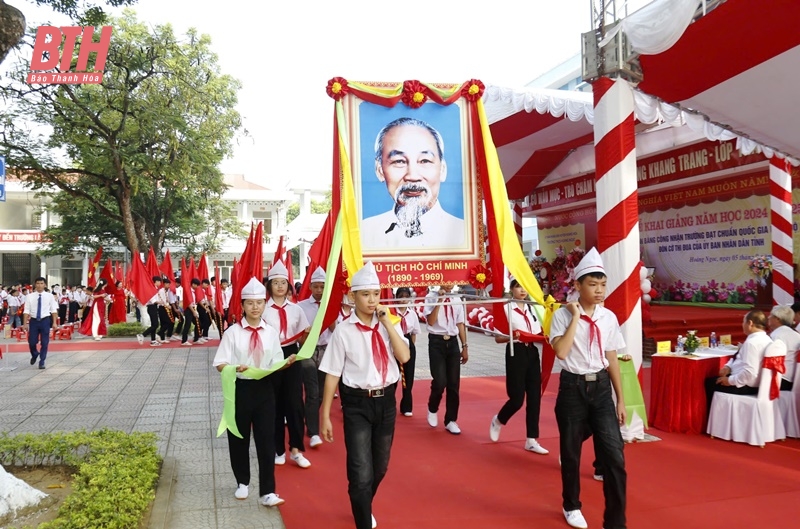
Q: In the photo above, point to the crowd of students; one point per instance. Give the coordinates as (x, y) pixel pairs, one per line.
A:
(370, 351)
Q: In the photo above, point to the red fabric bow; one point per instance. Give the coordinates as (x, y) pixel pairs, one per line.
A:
(282, 316)
(776, 365)
(256, 348)
(594, 333)
(337, 88)
(380, 355)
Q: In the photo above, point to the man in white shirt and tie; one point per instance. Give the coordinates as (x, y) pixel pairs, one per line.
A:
(41, 310)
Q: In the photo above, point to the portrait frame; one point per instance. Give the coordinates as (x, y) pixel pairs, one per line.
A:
(460, 194)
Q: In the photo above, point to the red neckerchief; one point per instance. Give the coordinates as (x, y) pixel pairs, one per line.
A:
(256, 348)
(380, 355)
(522, 313)
(594, 332)
(282, 316)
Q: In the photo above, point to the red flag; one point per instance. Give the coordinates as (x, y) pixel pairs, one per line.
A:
(119, 275)
(257, 255)
(236, 300)
(152, 264)
(91, 280)
(141, 283)
(289, 267)
(217, 292)
(250, 265)
(279, 251)
(202, 268)
(166, 270)
(186, 283)
(108, 274)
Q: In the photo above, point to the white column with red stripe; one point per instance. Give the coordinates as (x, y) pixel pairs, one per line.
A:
(517, 214)
(618, 206)
(780, 203)
(618, 216)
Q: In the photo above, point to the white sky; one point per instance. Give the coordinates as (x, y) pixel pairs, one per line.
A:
(284, 52)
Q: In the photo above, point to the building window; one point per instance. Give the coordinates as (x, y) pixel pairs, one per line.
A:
(265, 216)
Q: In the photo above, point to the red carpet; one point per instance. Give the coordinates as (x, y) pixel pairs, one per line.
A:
(440, 481)
(87, 344)
(668, 321)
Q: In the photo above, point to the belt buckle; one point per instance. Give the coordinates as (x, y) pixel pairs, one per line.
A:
(446, 337)
(591, 377)
(378, 392)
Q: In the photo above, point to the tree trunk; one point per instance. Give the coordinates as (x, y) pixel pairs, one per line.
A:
(127, 221)
(12, 28)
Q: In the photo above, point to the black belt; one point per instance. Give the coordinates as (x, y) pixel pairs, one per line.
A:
(377, 392)
(40, 319)
(444, 337)
(588, 377)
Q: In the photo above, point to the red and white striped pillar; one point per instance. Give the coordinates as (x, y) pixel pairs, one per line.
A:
(780, 203)
(517, 215)
(618, 206)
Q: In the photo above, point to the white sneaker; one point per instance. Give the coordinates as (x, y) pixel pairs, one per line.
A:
(597, 477)
(300, 459)
(494, 429)
(272, 500)
(374, 522)
(316, 440)
(202, 340)
(408, 414)
(155, 343)
(433, 420)
(532, 445)
(187, 344)
(575, 519)
(140, 339)
(280, 459)
(242, 492)
(452, 427)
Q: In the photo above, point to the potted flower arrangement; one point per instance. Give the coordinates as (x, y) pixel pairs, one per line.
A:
(761, 267)
(692, 342)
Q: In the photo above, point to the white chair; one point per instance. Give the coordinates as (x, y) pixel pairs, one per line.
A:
(789, 406)
(751, 419)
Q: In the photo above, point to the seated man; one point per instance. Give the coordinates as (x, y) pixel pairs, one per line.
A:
(781, 326)
(740, 374)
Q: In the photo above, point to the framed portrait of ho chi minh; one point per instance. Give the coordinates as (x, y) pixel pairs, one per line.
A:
(417, 190)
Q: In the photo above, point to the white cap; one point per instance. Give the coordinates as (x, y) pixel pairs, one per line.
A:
(278, 271)
(365, 279)
(591, 262)
(254, 289)
(318, 276)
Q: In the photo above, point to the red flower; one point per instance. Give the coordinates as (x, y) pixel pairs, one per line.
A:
(479, 277)
(337, 88)
(473, 90)
(414, 94)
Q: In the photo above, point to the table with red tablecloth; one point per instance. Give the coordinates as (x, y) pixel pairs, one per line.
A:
(677, 394)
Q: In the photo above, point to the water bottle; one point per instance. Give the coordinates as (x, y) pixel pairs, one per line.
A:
(713, 339)
(679, 344)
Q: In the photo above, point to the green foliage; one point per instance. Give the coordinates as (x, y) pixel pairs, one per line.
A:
(115, 480)
(130, 328)
(135, 159)
(83, 12)
(317, 206)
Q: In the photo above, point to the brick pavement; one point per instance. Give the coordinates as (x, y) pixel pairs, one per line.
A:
(174, 392)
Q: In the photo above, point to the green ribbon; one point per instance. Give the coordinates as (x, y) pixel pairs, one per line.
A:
(228, 374)
(632, 392)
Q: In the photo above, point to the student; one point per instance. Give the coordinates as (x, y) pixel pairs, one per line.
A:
(152, 306)
(313, 378)
(292, 325)
(360, 354)
(40, 313)
(190, 314)
(445, 322)
(409, 326)
(523, 373)
(586, 337)
(253, 343)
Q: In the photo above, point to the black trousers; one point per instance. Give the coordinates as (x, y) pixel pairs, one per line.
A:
(205, 321)
(73, 311)
(313, 386)
(62, 313)
(368, 435)
(178, 324)
(786, 385)
(255, 405)
(523, 382)
(188, 320)
(583, 405)
(165, 324)
(712, 387)
(152, 312)
(288, 384)
(445, 362)
(407, 369)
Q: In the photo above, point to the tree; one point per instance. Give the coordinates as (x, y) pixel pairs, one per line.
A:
(140, 151)
(12, 21)
(317, 206)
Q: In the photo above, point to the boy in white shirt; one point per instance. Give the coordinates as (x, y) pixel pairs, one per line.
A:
(586, 337)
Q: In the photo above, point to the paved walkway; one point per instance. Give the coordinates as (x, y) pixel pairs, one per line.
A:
(174, 392)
